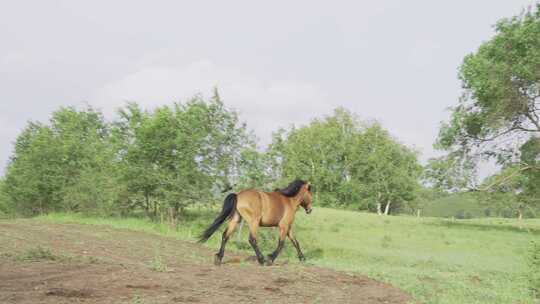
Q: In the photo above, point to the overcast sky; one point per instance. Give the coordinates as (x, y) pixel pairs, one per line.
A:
(276, 62)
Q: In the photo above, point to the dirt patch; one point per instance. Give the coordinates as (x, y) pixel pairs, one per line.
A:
(117, 266)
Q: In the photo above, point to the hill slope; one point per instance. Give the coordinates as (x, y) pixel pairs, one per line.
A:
(66, 263)
(434, 260)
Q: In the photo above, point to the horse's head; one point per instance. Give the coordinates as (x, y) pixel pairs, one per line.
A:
(307, 199)
(301, 191)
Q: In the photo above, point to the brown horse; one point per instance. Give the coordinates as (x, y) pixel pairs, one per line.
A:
(266, 209)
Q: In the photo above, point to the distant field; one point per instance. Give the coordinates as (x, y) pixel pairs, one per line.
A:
(434, 260)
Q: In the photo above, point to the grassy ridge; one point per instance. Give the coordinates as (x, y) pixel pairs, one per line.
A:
(435, 260)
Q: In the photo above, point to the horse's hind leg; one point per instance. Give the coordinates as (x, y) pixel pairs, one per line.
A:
(226, 235)
(253, 226)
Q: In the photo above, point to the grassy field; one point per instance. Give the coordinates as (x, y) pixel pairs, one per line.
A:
(435, 260)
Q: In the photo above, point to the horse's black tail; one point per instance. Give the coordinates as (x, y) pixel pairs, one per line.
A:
(229, 205)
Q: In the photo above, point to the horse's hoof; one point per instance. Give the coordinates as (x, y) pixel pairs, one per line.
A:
(302, 258)
(217, 260)
(261, 261)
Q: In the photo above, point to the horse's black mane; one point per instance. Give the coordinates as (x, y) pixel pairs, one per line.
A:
(292, 189)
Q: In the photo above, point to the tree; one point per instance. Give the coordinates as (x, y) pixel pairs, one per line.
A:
(505, 192)
(179, 155)
(499, 111)
(254, 169)
(227, 145)
(48, 161)
(392, 170)
(157, 161)
(351, 164)
(319, 153)
(454, 172)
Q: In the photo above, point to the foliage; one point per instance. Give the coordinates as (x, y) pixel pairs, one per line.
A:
(498, 116)
(510, 191)
(49, 160)
(175, 156)
(158, 162)
(453, 172)
(352, 164)
(502, 90)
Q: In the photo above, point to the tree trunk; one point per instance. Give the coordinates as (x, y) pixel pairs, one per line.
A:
(379, 209)
(379, 206)
(387, 209)
(520, 217)
(147, 204)
(174, 215)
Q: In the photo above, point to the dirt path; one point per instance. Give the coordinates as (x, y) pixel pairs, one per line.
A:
(97, 264)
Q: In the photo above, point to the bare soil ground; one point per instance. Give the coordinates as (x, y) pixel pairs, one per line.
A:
(98, 264)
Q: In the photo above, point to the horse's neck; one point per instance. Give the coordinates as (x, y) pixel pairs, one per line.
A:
(296, 200)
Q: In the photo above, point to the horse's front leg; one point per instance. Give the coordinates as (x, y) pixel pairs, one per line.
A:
(296, 245)
(283, 229)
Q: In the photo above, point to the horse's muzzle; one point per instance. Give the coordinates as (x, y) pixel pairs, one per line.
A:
(308, 211)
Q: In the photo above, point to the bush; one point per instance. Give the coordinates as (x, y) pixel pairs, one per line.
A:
(534, 269)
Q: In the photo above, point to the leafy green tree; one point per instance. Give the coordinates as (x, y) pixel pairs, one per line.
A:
(31, 181)
(254, 169)
(351, 164)
(499, 112)
(318, 153)
(87, 167)
(505, 193)
(226, 145)
(48, 160)
(454, 172)
(391, 169)
(502, 88)
(179, 155)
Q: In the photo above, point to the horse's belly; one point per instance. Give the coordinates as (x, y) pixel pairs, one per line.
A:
(269, 221)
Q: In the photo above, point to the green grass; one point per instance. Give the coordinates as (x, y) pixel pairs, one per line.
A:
(39, 253)
(157, 264)
(435, 260)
